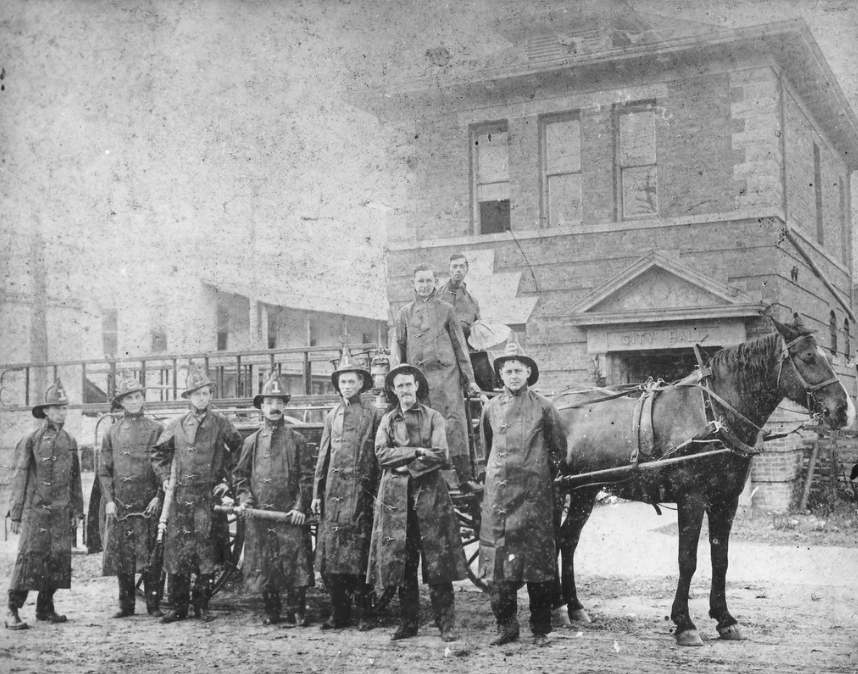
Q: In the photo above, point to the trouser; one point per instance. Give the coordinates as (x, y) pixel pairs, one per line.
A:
(181, 592)
(296, 600)
(441, 594)
(343, 587)
(127, 590)
(44, 601)
(462, 466)
(504, 601)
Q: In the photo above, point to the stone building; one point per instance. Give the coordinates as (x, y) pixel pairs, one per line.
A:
(627, 185)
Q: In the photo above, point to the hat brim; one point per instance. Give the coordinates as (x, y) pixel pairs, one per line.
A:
(405, 368)
(525, 360)
(39, 410)
(367, 378)
(187, 393)
(257, 400)
(116, 399)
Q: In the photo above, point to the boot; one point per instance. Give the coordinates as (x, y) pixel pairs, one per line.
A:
(273, 607)
(152, 589)
(506, 634)
(13, 620)
(363, 607)
(126, 595)
(467, 484)
(179, 591)
(404, 631)
(45, 608)
(173, 616)
(201, 593)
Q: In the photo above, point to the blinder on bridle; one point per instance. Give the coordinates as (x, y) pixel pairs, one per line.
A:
(809, 389)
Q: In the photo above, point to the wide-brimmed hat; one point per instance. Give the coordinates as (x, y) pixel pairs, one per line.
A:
(125, 384)
(346, 364)
(196, 380)
(405, 368)
(55, 395)
(515, 352)
(275, 387)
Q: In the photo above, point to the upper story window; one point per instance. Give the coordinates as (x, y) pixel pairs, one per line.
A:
(490, 171)
(561, 169)
(637, 173)
(847, 336)
(832, 327)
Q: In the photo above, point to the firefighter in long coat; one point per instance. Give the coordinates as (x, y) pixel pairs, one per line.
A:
(524, 443)
(132, 494)
(429, 336)
(414, 515)
(343, 493)
(46, 505)
(275, 472)
(201, 443)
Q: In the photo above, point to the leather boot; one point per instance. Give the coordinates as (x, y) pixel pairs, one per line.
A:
(13, 620)
(126, 595)
(506, 634)
(45, 608)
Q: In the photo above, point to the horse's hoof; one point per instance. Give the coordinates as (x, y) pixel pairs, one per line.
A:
(731, 633)
(560, 617)
(579, 615)
(688, 638)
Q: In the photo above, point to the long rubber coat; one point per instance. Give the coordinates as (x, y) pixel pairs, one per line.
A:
(346, 480)
(524, 443)
(443, 559)
(128, 479)
(275, 472)
(46, 492)
(429, 336)
(203, 454)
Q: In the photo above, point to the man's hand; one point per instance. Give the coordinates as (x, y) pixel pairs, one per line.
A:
(220, 489)
(166, 485)
(297, 517)
(316, 506)
(16, 526)
(154, 507)
(477, 391)
(240, 511)
(110, 510)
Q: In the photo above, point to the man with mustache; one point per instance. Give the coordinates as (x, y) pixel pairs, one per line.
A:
(343, 492)
(201, 443)
(275, 472)
(46, 505)
(524, 443)
(414, 515)
(132, 494)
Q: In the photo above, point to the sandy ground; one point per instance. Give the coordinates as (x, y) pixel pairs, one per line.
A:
(798, 607)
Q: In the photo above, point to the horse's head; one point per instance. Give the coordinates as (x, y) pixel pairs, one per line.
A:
(806, 377)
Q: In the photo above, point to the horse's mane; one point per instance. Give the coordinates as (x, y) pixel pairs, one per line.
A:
(749, 361)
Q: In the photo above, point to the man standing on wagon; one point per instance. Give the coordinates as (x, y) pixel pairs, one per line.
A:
(455, 293)
(46, 505)
(200, 443)
(132, 494)
(275, 472)
(344, 490)
(414, 515)
(524, 444)
(429, 336)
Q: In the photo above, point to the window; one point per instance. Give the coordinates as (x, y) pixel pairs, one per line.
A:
(110, 332)
(490, 170)
(847, 347)
(832, 326)
(817, 190)
(561, 169)
(637, 173)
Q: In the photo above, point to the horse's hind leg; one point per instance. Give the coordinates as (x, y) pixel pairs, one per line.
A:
(720, 523)
(568, 534)
(690, 508)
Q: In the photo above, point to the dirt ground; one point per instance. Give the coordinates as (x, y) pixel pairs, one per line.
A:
(797, 605)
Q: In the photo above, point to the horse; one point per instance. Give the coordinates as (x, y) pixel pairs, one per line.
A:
(742, 385)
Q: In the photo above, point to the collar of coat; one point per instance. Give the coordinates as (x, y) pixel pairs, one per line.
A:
(354, 400)
(448, 286)
(513, 394)
(428, 298)
(399, 413)
(50, 426)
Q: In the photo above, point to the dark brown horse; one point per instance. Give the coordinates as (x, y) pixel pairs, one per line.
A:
(748, 382)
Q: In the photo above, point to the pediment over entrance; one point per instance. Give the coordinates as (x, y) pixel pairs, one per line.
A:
(656, 288)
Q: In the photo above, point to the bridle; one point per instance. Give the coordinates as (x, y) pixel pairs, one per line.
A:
(809, 389)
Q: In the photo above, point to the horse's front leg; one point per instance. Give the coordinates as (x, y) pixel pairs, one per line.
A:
(568, 534)
(690, 508)
(720, 523)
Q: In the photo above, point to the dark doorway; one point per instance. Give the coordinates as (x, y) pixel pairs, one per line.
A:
(669, 365)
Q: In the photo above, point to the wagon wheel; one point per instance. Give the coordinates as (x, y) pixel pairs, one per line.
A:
(468, 514)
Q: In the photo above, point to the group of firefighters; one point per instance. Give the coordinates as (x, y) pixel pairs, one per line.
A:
(383, 504)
